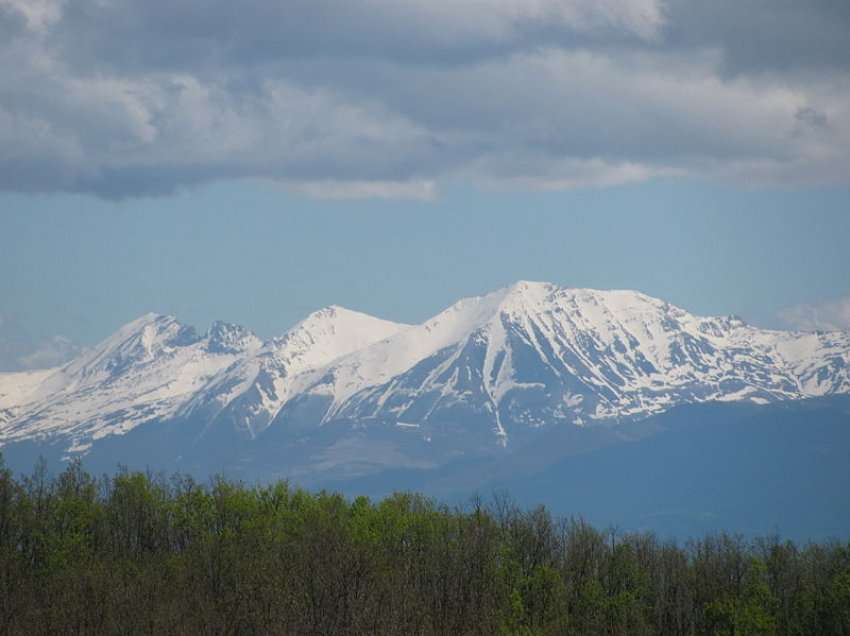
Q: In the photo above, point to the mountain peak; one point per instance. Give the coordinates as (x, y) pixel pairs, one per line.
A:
(335, 313)
(225, 337)
(330, 333)
(335, 318)
(531, 286)
(149, 318)
(525, 293)
(136, 342)
(532, 354)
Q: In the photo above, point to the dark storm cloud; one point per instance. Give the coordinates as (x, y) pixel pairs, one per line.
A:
(764, 35)
(190, 34)
(124, 97)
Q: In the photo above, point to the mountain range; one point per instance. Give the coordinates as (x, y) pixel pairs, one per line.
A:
(528, 372)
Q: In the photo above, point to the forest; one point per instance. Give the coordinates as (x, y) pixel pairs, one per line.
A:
(139, 553)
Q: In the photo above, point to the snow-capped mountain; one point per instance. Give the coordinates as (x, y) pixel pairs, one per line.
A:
(249, 394)
(144, 371)
(534, 354)
(485, 374)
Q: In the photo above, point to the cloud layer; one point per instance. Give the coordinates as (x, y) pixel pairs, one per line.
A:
(388, 98)
(830, 316)
(19, 351)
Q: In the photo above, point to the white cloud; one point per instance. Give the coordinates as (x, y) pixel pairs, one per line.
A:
(829, 316)
(20, 351)
(592, 173)
(333, 189)
(385, 98)
(51, 353)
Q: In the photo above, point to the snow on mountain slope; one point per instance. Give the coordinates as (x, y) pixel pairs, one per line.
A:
(819, 362)
(21, 387)
(17, 389)
(492, 368)
(249, 395)
(144, 371)
(535, 353)
(378, 363)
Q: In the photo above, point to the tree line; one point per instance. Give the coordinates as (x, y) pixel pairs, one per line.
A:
(135, 553)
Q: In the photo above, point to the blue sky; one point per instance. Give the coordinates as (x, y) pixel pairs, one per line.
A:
(255, 161)
(256, 254)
